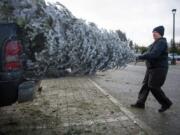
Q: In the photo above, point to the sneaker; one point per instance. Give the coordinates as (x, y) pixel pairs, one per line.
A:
(138, 105)
(164, 108)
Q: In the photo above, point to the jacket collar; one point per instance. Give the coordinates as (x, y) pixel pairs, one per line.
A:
(162, 38)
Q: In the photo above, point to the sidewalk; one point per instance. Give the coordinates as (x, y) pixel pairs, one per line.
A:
(69, 106)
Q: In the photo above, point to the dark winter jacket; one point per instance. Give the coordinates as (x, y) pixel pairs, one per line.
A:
(157, 55)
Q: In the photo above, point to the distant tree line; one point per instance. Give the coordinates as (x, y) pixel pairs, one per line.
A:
(143, 49)
(175, 49)
(123, 37)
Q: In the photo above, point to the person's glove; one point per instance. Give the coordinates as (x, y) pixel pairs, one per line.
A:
(137, 60)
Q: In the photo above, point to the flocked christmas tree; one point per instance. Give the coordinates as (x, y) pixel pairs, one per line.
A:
(56, 38)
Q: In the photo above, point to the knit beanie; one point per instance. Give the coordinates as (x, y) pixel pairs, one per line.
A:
(160, 30)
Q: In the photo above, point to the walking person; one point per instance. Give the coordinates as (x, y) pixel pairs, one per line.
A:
(157, 67)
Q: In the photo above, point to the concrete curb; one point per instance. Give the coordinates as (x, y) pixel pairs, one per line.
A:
(129, 114)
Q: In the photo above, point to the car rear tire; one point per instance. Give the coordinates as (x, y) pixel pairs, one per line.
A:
(8, 93)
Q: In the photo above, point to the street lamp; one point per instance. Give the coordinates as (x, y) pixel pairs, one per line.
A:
(173, 62)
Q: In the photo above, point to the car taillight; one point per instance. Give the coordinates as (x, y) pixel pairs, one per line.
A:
(13, 50)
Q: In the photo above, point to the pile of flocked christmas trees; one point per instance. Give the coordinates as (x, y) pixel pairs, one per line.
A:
(54, 38)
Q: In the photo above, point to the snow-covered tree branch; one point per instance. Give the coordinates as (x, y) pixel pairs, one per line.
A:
(56, 38)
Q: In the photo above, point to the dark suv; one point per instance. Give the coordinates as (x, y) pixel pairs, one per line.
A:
(13, 86)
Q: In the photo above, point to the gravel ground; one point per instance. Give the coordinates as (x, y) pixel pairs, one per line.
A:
(67, 106)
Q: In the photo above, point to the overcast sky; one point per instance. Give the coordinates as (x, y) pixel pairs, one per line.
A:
(136, 18)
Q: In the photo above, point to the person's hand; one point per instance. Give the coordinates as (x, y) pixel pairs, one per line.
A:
(137, 60)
